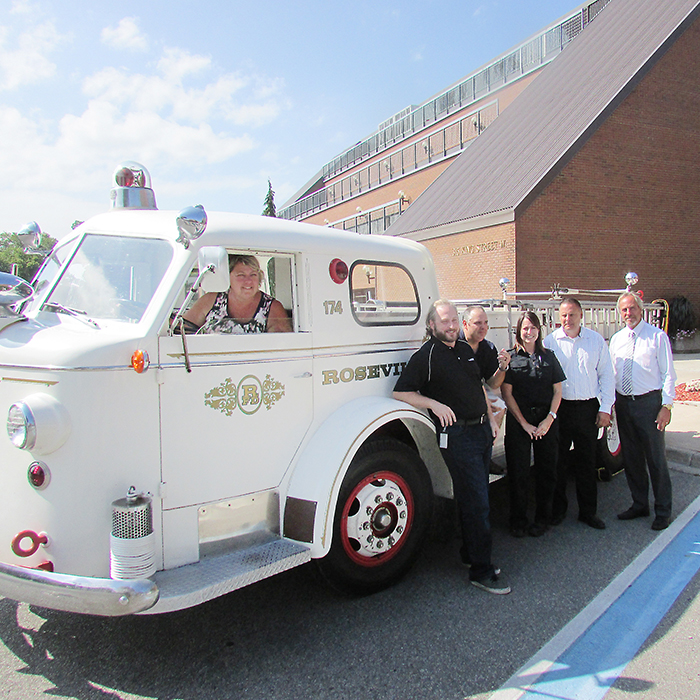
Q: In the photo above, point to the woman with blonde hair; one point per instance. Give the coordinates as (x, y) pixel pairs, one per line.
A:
(244, 308)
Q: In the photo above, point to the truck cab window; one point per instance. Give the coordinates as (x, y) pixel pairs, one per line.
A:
(260, 298)
(383, 294)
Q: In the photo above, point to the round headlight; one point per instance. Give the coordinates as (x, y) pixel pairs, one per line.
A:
(21, 426)
(38, 423)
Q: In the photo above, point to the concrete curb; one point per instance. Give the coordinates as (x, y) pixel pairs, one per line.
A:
(683, 460)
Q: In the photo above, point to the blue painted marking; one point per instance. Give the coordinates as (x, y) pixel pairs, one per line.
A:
(589, 667)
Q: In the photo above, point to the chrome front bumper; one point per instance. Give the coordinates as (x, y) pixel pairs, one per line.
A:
(78, 594)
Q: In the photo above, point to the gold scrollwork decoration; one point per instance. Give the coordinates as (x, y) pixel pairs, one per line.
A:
(228, 395)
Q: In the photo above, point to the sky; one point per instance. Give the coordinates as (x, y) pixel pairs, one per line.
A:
(215, 98)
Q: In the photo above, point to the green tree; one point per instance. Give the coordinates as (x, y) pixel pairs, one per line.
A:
(269, 209)
(12, 253)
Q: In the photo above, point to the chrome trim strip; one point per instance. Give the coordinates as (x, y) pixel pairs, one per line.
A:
(56, 368)
(78, 594)
(319, 351)
(47, 382)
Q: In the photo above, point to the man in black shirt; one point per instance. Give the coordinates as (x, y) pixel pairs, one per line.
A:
(493, 364)
(444, 378)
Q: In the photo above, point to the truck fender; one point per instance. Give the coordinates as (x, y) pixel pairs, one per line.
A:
(314, 485)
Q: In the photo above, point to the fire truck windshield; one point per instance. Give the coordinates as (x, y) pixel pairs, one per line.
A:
(108, 277)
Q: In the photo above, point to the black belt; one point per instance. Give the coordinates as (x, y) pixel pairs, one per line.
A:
(636, 397)
(579, 400)
(473, 421)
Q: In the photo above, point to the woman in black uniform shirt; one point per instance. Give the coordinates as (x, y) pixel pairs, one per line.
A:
(532, 392)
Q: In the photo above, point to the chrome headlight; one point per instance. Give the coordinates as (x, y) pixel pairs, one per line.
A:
(39, 423)
(21, 426)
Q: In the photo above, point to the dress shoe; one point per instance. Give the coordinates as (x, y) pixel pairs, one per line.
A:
(557, 519)
(632, 513)
(660, 523)
(537, 529)
(592, 521)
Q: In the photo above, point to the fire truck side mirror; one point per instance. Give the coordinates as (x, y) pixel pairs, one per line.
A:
(216, 259)
(14, 289)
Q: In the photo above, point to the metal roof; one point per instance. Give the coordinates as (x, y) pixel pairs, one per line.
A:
(532, 140)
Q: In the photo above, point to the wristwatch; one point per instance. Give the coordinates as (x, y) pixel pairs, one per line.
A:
(669, 406)
(554, 415)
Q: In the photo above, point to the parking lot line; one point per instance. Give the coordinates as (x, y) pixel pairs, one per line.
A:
(585, 658)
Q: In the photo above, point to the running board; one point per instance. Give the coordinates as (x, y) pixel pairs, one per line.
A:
(215, 576)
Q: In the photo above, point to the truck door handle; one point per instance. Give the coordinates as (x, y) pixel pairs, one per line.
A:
(305, 375)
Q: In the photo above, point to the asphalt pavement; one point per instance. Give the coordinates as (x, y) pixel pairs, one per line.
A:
(639, 638)
(606, 613)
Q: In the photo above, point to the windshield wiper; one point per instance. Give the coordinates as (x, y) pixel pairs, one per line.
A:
(76, 313)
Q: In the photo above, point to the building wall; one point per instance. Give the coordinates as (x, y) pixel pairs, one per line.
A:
(414, 183)
(469, 265)
(630, 198)
(411, 185)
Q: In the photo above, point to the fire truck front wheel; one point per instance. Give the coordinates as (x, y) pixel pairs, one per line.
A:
(382, 514)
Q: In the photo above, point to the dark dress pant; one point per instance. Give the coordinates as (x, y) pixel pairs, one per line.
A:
(546, 453)
(577, 427)
(644, 451)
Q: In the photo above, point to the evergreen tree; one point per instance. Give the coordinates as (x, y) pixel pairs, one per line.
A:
(269, 209)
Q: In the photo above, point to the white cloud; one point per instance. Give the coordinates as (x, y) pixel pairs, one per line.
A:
(169, 95)
(27, 61)
(180, 115)
(24, 7)
(177, 64)
(126, 35)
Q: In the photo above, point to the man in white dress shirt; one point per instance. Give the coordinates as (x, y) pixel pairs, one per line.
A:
(588, 394)
(645, 384)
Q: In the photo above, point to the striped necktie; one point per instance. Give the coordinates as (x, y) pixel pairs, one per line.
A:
(627, 365)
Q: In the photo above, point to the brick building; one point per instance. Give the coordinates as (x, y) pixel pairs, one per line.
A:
(591, 171)
(369, 185)
(598, 169)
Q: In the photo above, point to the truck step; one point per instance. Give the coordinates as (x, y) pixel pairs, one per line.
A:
(214, 576)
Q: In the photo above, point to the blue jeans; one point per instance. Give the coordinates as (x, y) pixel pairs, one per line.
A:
(468, 457)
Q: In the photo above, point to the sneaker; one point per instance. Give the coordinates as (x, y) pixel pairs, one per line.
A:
(492, 584)
(468, 564)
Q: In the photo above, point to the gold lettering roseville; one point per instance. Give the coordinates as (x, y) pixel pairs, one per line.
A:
(359, 374)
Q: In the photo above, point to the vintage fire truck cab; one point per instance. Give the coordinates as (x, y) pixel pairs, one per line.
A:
(148, 468)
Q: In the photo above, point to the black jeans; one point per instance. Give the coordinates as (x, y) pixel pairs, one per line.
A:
(468, 457)
(546, 449)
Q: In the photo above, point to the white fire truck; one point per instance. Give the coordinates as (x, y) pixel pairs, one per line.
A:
(148, 470)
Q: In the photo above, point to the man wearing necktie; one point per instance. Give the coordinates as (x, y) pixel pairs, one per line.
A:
(644, 392)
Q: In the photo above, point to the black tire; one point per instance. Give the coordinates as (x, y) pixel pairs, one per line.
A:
(609, 452)
(383, 511)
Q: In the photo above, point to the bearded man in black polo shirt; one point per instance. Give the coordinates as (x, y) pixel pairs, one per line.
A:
(444, 378)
